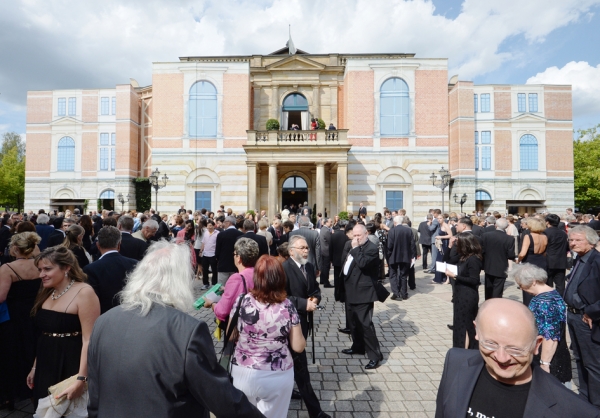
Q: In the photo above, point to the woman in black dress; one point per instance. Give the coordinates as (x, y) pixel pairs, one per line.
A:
(19, 285)
(466, 293)
(65, 311)
(533, 249)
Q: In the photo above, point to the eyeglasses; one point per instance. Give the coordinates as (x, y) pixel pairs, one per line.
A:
(301, 248)
(234, 254)
(511, 351)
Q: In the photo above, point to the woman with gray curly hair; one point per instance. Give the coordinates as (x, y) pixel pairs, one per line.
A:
(550, 313)
(245, 255)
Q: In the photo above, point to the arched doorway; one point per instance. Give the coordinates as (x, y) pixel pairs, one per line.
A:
(108, 199)
(294, 112)
(294, 192)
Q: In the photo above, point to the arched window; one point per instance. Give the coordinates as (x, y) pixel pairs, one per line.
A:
(203, 110)
(66, 154)
(295, 182)
(528, 150)
(395, 107)
(482, 195)
(108, 194)
(295, 102)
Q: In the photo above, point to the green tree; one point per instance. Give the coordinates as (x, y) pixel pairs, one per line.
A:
(586, 161)
(12, 171)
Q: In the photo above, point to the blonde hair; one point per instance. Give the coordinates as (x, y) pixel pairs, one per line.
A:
(25, 242)
(71, 236)
(536, 225)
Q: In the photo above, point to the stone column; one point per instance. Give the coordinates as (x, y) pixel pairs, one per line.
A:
(316, 105)
(274, 102)
(252, 186)
(272, 209)
(342, 187)
(320, 187)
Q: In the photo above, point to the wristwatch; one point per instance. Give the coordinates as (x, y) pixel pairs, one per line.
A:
(545, 363)
(82, 378)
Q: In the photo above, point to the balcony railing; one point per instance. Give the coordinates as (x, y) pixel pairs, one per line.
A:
(291, 138)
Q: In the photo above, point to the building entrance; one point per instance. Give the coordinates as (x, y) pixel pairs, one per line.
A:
(294, 192)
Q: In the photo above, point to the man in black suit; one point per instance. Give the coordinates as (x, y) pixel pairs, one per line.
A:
(582, 296)
(502, 379)
(477, 230)
(594, 224)
(556, 253)
(224, 249)
(498, 248)
(325, 244)
(362, 210)
(402, 252)
(276, 232)
(130, 246)
(312, 238)
(248, 230)
(425, 239)
(303, 291)
(5, 237)
(107, 275)
(58, 236)
(361, 271)
(490, 222)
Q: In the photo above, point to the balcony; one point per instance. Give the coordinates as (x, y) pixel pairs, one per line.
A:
(298, 138)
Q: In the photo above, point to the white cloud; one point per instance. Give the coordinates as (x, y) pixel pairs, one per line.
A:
(71, 44)
(585, 80)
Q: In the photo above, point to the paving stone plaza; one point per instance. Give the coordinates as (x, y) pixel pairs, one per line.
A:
(414, 339)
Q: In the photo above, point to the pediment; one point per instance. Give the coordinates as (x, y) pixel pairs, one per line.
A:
(295, 63)
(528, 117)
(65, 121)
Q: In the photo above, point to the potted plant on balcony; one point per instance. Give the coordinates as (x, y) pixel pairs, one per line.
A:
(321, 123)
(272, 125)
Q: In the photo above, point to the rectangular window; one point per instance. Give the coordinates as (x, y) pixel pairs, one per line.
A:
(62, 106)
(104, 151)
(203, 201)
(104, 106)
(486, 158)
(485, 102)
(476, 137)
(113, 158)
(475, 103)
(72, 106)
(533, 102)
(476, 158)
(394, 199)
(103, 139)
(113, 139)
(486, 137)
(521, 102)
(114, 106)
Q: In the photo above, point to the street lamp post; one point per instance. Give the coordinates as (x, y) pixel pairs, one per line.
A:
(157, 182)
(122, 200)
(463, 199)
(442, 183)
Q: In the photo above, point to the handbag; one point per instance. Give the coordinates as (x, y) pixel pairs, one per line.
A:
(50, 407)
(381, 292)
(229, 343)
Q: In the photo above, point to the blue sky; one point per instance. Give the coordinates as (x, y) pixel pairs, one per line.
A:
(57, 44)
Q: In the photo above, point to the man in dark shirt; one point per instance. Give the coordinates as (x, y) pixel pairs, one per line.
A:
(556, 253)
(582, 296)
(501, 380)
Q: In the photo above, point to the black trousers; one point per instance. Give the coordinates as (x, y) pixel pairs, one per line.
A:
(399, 279)
(585, 353)
(556, 278)
(302, 379)
(206, 262)
(325, 267)
(364, 338)
(426, 249)
(494, 286)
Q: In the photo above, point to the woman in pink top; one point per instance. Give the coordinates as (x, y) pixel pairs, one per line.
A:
(245, 255)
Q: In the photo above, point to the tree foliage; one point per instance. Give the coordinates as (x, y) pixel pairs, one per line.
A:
(12, 171)
(586, 161)
(143, 194)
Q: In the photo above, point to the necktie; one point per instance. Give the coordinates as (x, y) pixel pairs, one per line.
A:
(572, 275)
(303, 269)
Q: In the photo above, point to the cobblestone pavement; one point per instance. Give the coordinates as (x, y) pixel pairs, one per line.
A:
(414, 339)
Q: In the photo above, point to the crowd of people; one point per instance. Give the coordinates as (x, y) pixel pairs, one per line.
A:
(80, 292)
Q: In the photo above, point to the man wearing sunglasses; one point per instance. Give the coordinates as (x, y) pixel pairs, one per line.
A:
(501, 379)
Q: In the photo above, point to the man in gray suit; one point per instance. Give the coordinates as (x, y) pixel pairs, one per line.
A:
(325, 242)
(434, 228)
(312, 239)
(174, 371)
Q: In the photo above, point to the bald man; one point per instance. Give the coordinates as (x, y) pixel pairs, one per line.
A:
(500, 380)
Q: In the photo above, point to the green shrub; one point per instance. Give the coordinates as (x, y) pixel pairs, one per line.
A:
(343, 215)
(143, 194)
(272, 125)
(321, 124)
